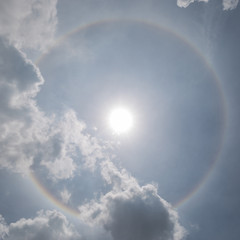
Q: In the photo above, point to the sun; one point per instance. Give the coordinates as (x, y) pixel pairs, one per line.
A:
(121, 120)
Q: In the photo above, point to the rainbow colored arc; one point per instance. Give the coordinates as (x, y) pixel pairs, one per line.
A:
(205, 61)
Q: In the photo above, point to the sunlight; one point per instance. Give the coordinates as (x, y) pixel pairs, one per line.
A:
(120, 120)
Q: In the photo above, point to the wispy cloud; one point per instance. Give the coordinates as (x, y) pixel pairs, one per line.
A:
(65, 195)
(3, 227)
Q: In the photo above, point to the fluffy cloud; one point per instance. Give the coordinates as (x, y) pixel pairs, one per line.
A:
(28, 23)
(29, 138)
(135, 213)
(47, 225)
(130, 211)
(19, 83)
(67, 145)
(230, 4)
(227, 4)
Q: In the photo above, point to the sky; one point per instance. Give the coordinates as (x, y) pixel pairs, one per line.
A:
(65, 173)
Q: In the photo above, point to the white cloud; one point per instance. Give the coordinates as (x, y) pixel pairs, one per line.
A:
(186, 3)
(19, 117)
(230, 4)
(62, 168)
(28, 23)
(66, 138)
(46, 225)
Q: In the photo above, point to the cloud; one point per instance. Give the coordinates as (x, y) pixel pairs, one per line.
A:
(46, 225)
(29, 138)
(186, 3)
(141, 214)
(65, 195)
(227, 4)
(130, 211)
(3, 227)
(56, 146)
(19, 83)
(135, 213)
(28, 23)
(68, 146)
(230, 4)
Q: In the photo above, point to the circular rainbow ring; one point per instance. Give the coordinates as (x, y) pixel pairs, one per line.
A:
(157, 27)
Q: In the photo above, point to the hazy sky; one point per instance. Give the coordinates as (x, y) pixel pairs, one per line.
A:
(65, 66)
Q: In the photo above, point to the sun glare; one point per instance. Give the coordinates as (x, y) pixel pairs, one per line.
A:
(120, 120)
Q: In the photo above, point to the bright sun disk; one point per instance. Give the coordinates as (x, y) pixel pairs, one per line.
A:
(121, 120)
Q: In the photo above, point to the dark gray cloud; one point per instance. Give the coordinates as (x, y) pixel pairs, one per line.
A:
(46, 225)
(132, 212)
(141, 215)
(136, 213)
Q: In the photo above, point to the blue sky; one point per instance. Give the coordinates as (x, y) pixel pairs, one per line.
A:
(65, 66)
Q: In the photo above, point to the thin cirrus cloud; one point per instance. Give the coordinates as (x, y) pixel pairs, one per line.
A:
(227, 4)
